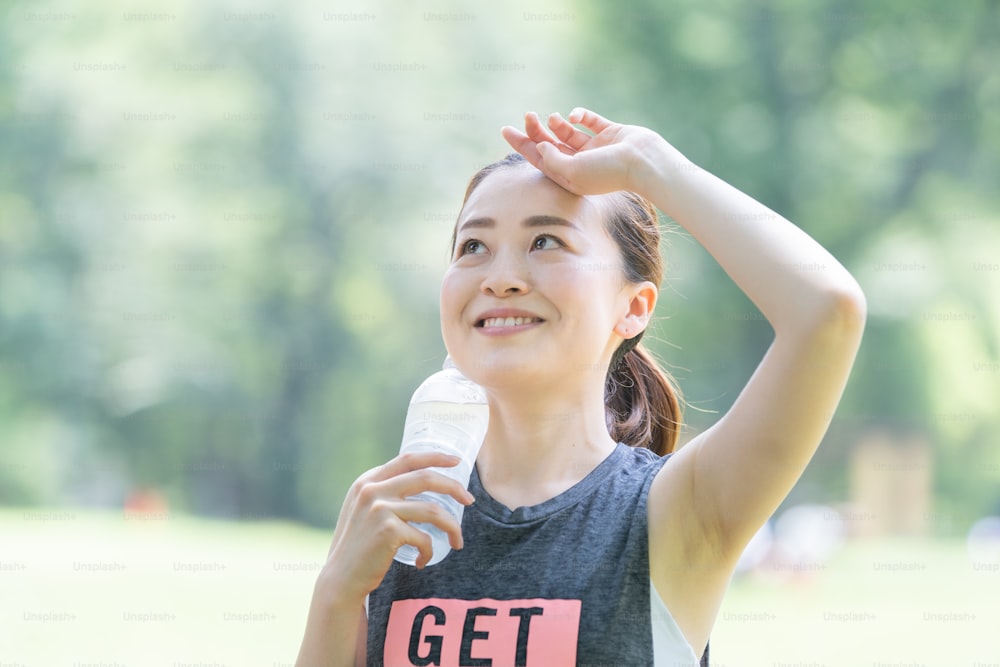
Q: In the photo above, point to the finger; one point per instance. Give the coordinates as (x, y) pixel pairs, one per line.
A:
(424, 511)
(556, 165)
(420, 481)
(535, 130)
(523, 145)
(567, 134)
(421, 540)
(540, 135)
(589, 120)
(411, 461)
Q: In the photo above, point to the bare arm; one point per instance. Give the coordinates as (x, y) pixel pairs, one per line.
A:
(728, 480)
(375, 521)
(745, 464)
(333, 635)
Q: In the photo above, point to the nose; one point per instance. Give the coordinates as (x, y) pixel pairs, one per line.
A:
(505, 277)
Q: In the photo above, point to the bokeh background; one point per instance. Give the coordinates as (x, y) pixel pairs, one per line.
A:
(222, 231)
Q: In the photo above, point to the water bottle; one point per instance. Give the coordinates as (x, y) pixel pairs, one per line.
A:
(448, 413)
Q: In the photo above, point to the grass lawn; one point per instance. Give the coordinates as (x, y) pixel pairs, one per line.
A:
(82, 589)
(877, 604)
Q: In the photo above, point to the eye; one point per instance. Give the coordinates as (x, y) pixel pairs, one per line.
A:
(546, 242)
(471, 246)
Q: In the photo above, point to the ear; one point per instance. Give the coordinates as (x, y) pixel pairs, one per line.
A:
(640, 302)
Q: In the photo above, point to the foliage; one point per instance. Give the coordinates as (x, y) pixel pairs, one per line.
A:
(874, 128)
(222, 229)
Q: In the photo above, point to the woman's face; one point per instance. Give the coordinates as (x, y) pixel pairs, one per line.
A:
(536, 288)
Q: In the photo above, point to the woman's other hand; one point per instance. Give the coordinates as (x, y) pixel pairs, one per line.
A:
(375, 520)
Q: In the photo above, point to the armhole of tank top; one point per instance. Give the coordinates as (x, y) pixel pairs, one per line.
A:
(668, 640)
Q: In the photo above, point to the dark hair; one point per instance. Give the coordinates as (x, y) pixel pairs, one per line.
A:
(642, 404)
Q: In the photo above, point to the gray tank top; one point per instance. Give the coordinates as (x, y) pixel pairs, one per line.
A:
(564, 583)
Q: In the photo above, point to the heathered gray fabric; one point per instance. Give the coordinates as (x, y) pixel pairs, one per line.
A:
(589, 543)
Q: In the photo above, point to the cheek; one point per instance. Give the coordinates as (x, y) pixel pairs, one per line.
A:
(595, 299)
(454, 296)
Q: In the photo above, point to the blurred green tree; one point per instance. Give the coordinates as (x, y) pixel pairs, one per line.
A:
(221, 231)
(875, 129)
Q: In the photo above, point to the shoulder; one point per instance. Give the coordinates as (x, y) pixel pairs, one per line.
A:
(637, 467)
(634, 478)
(639, 458)
(618, 491)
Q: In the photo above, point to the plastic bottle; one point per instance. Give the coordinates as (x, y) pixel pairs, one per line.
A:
(448, 413)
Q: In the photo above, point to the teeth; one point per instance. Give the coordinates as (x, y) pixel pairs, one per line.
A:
(507, 321)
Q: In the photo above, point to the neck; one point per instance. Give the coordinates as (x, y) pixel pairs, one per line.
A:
(541, 444)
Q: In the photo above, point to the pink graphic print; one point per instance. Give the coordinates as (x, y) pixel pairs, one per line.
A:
(482, 633)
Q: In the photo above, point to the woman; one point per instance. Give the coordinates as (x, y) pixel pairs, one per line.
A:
(579, 549)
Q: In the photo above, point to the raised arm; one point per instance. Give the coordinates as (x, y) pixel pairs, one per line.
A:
(725, 483)
(748, 461)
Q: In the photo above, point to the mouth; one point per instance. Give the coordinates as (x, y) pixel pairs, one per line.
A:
(507, 322)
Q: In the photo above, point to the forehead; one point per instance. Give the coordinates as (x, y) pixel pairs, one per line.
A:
(515, 193)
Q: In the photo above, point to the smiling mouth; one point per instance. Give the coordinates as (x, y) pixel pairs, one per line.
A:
(500, 322)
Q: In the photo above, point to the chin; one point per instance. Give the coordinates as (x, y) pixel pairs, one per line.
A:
(503, 371)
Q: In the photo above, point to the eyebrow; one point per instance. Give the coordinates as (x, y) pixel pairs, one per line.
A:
(531, 221)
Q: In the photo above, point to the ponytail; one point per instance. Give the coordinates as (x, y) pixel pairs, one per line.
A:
(642, 405)
(641, 402)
